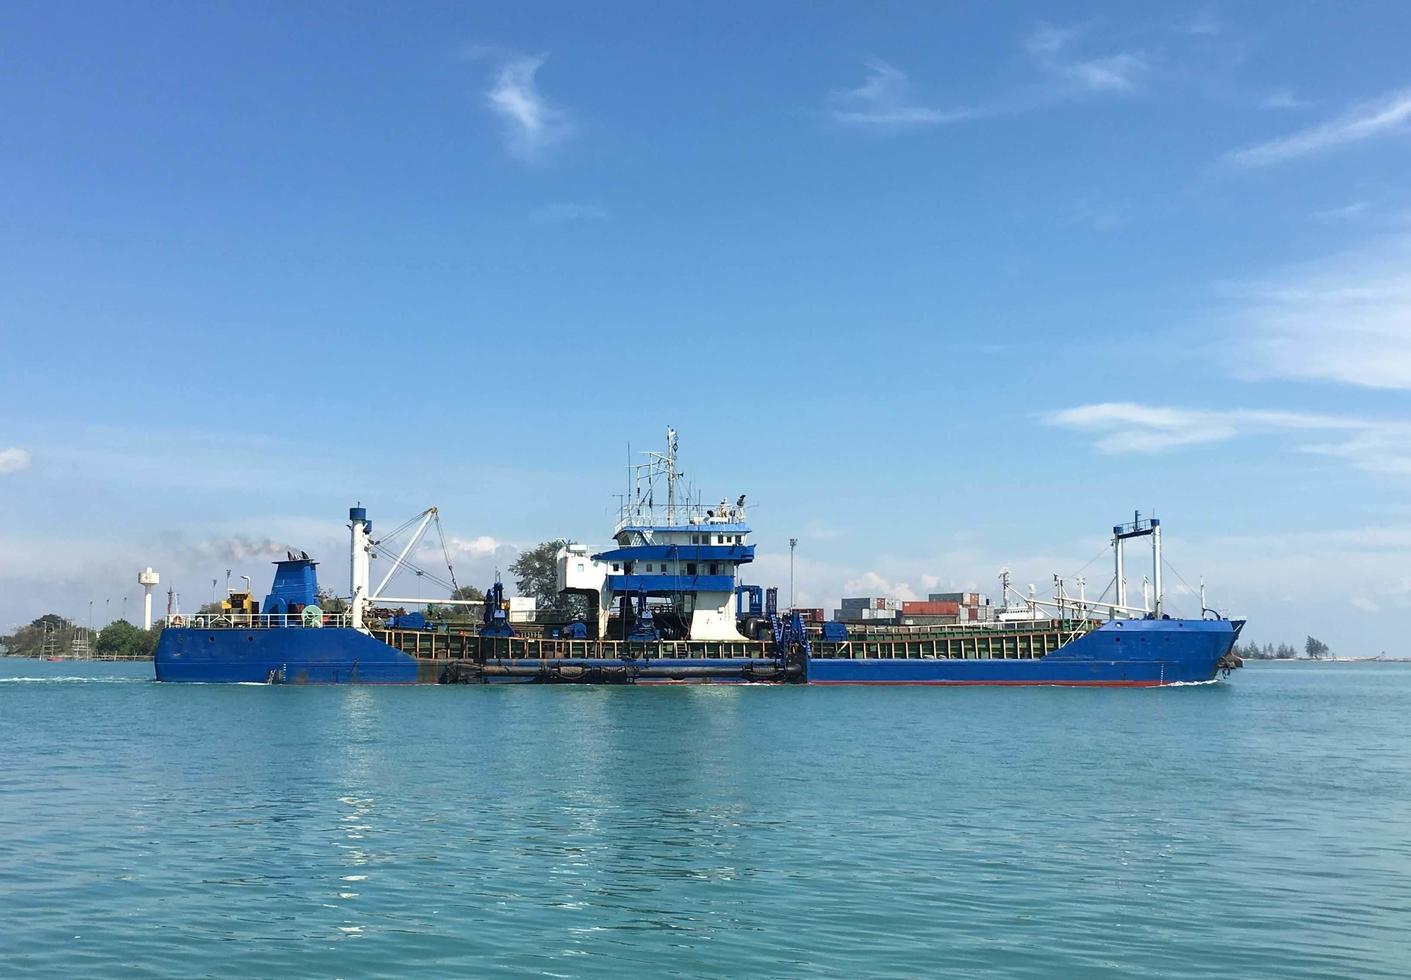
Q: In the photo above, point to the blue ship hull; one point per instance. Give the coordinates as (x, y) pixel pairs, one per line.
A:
(1123, 653)
(296, 655)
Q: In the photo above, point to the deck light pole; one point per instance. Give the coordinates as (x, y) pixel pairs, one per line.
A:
(793, 543)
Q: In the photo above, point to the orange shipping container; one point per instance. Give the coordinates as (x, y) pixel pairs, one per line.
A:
(921, 607)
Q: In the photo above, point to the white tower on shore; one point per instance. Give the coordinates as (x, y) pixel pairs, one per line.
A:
(147, 578)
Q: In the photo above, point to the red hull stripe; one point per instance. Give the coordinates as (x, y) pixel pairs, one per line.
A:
(995, 683)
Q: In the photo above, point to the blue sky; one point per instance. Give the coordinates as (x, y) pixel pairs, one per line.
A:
(941, 289)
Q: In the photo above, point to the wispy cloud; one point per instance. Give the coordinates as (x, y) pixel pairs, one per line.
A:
(1345, 319)
(871, 583)
(886, 99)
(1100, 213)
(1344, 212)
(532, 123)
(1203, 23)
(1384, 117)
(1122, 428)
(13, 460)
(1283, 99)
(1053, 48)
(1114, 73)
(554, 214)
(1047, 40)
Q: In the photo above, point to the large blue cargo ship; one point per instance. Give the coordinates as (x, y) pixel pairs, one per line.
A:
(666, 606)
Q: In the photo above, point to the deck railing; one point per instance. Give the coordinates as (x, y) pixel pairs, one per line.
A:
(464, 645)
(254, 621)
(968, 628)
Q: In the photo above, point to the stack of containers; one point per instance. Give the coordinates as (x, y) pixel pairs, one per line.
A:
(878, 609)
(974, 607)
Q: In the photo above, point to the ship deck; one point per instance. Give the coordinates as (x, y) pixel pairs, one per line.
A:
(1009, 641)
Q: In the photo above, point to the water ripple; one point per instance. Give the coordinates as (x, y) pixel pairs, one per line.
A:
(1251, 829)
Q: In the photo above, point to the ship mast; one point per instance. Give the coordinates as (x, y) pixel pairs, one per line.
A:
(670, 475)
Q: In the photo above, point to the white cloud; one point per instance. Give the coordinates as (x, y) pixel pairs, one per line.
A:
(1046, 40)
(1114, 73)
(1342, 213)
(480, 546)
(1385, 116)
(1345, 319)
(1283, 98)
(885, 99)
(870, 583)
(531, 122)
(555, 214)
(13, 460)
(1052, 47)
(1123, 428)
(1203, 23)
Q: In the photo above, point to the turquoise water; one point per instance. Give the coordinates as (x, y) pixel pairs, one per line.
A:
(1256, 828)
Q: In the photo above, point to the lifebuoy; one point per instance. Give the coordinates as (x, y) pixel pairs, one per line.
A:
(177, 621)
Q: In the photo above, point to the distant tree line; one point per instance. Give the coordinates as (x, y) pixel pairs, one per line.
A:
(444, 613)
(118, 639)
(1313, 649)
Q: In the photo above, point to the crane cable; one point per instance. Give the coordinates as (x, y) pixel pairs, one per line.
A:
(446, 554)
(452, 586)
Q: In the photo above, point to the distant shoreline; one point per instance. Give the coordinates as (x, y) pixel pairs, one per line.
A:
(1327, 660)
(76, 660)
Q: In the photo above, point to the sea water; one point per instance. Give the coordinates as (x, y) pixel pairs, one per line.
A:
(1259, 827)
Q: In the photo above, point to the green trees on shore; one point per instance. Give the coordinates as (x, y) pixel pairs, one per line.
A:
(28, 641)
(1253, 651)
(121, 639)
(54, 635)
(457, 614)
(536, 574)
(1313, 649)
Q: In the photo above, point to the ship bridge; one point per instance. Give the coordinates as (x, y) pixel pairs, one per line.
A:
(679, 550)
